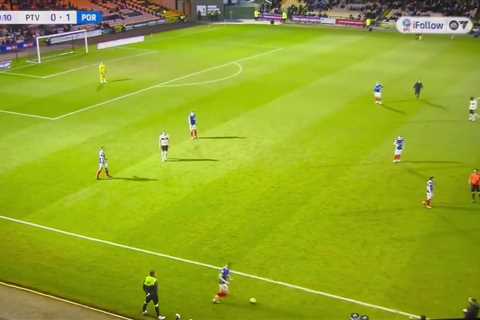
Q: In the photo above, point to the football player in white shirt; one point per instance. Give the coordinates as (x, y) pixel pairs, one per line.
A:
(430, 191)
(102, 163)
(163, 142)
(472, 109)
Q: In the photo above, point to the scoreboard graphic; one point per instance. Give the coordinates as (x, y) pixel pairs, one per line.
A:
(50, 17)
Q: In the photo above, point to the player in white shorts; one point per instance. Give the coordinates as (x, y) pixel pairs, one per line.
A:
(472, 109)
(102, 164)
(430, 190)
(163, 141)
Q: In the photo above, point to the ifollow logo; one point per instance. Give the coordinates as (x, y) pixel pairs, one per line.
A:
(407, 24)
(434, 25)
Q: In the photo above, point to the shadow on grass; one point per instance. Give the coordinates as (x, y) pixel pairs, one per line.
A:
(457, 208)
(191, 160)
(134, 178)
(433, 121)
(435, 105)
(120, 80)
(433, 161)
(223, 137)
(401, 101)
(393, 109)
(416, 173)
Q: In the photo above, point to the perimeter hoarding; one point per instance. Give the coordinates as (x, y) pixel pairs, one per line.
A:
(434, 25)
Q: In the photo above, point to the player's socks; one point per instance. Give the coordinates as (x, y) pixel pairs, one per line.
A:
(144, 308)
(157, 310)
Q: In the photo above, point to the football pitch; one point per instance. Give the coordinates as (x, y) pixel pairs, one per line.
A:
(291, 181)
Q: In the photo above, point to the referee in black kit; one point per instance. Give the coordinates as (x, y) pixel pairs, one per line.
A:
(150, 286)
(418, 86)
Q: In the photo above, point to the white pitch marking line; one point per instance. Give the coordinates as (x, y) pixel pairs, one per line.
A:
(200, 83)
(17, 74)
(162, 84)
(95, 64)
(48, 76)
(210, 266)
(32, 63)
(63, 300)
(26, 115)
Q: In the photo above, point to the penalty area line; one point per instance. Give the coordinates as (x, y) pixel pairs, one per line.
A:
(28, 115)
(18, 74)
(165, 83)
(53, 75)
(83, 306)
(48, 76)
(210, 266)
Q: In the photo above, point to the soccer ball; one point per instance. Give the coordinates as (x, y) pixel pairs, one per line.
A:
(253, 300)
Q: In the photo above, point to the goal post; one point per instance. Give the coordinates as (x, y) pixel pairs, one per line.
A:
(60, 43)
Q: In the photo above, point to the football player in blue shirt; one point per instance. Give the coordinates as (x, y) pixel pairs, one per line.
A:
(192, 123)
(399, 144)
(377, 92)
(223, 283)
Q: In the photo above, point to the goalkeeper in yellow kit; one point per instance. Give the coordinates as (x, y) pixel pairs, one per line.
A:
(102, 71)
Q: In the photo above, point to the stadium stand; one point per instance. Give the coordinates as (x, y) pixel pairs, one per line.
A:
(117, 15)
(380, 9)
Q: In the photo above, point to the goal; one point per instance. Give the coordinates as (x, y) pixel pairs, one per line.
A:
(60, 44)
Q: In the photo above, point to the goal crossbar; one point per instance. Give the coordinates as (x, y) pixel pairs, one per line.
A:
(59, 35)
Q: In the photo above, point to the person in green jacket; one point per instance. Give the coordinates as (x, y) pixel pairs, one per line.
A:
(150, 286)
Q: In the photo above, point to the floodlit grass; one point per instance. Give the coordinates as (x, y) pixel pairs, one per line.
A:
(292, 178)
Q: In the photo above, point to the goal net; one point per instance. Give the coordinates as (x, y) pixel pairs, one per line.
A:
(56, 45)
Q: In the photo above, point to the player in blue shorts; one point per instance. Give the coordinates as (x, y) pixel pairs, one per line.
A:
(192, 123)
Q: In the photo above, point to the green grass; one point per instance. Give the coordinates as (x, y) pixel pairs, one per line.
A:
(306, 193)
